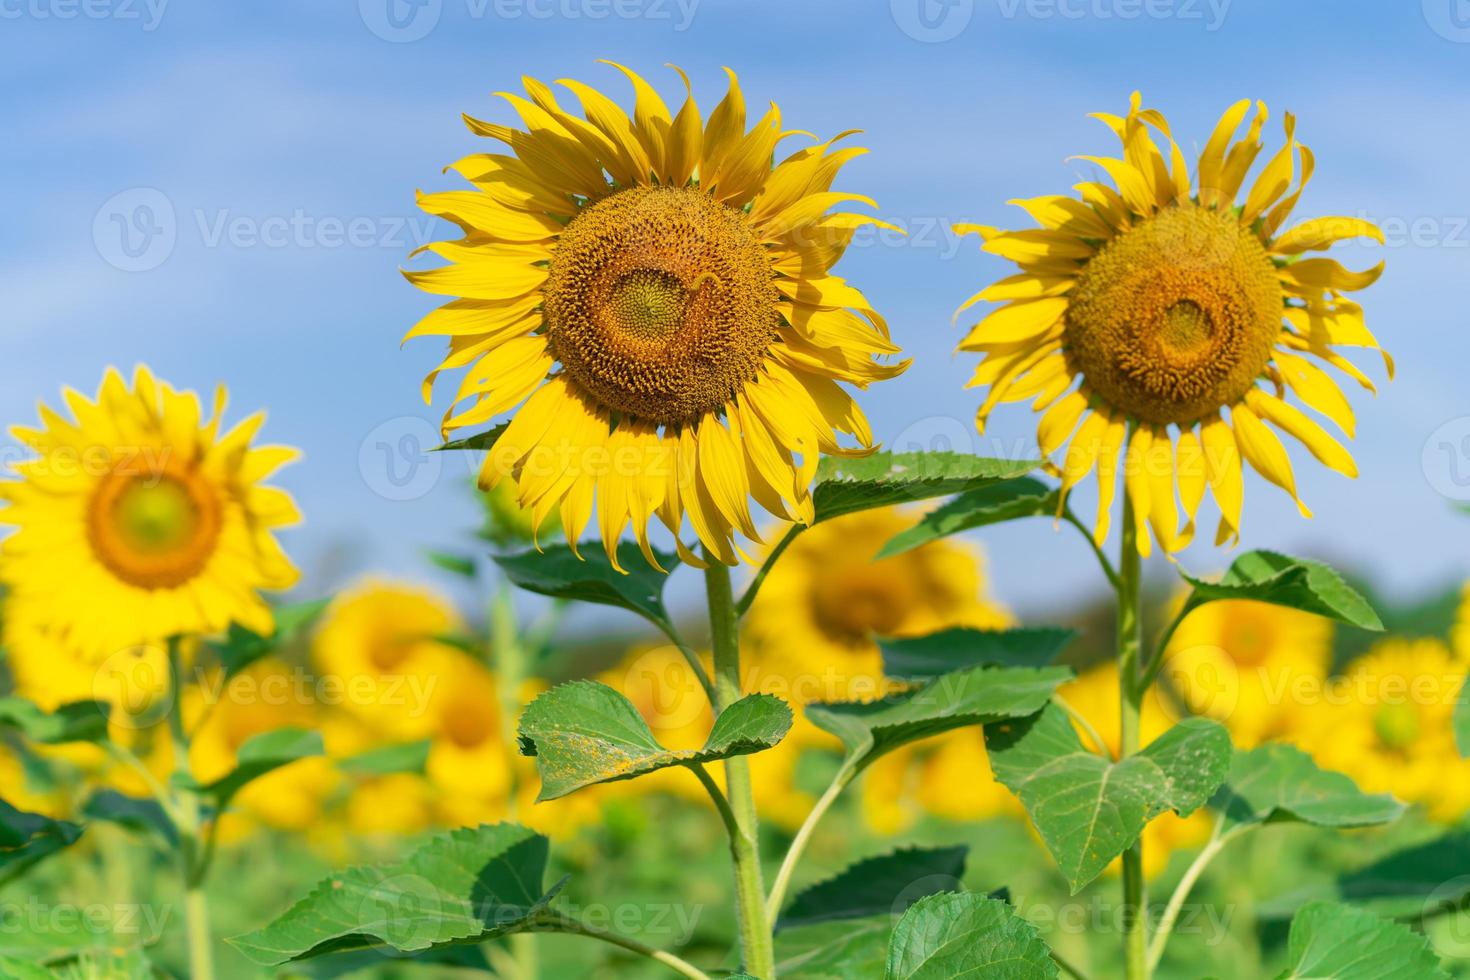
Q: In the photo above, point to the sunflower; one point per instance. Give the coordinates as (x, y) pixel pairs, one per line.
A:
(1241, 662)
(1460, 631)
(655, 296)
(384, 643)
(811, 636)
(138, 520)
(1388, 721)
(811, 631)
(1182, 318)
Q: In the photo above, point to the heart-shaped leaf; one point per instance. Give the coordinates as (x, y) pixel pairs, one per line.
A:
(1089, 809)
(261, 754)
(977, 696)
(559, 573)
(583, 733)
(467, 886)
(1297, 583)
(1338, 942)
(923, 657)
(1281, 782)
(885, 885)
(26, 838)
(849, 485)
(954, 935)
(1006, 501)
(79, 721)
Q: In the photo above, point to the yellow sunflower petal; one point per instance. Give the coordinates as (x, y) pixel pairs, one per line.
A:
(1329, 452)
(1107, 477)
(1138, 481)
(1263, 450)
(1320, 234)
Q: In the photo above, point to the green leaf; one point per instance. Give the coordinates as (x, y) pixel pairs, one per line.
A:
(846, 486)
(1089, 809)
(241, 647)
(1462, 719)
(467, 886)
(262, 754)
(85, 964)
(26, 838)
(387, 760)
(461, 565)
(1338, 942)
(136, 814)
(1007, 501)
(885, 885)
(584, 733)
(480, 440)
(977, 696)
(971, 936)
(17, 969)
(558, 573)
(79, 721)
(1281, 782)
(1414, 881)
(1297, 583)
(923, 657)
(834, 950)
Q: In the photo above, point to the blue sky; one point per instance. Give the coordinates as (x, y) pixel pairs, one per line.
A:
(262, 160)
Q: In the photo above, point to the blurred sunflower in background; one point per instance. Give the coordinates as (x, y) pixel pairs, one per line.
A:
(223, 714)
(811, 635)
(655, 296)
(1182, 317)
(1460, 631)
(1388, 719)
(142, 512)
(815, 622)
(1243, 664)
(387, 642)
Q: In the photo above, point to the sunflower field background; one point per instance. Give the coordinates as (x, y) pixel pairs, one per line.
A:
(648, 488)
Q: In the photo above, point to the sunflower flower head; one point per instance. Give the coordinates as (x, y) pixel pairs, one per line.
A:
(1388, 719)
(1158, 323)
(1237, 661)
(138, 519)
(812, 634)
(651, 298)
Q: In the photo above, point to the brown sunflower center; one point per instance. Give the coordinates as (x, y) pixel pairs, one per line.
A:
(660, 303)
(154, 530)
(1176, 317)
(852, 606)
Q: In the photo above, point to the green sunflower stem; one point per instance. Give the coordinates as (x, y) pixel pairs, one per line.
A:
(196, 846)
(508, 657)
(1135, 899)
(750, 894)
